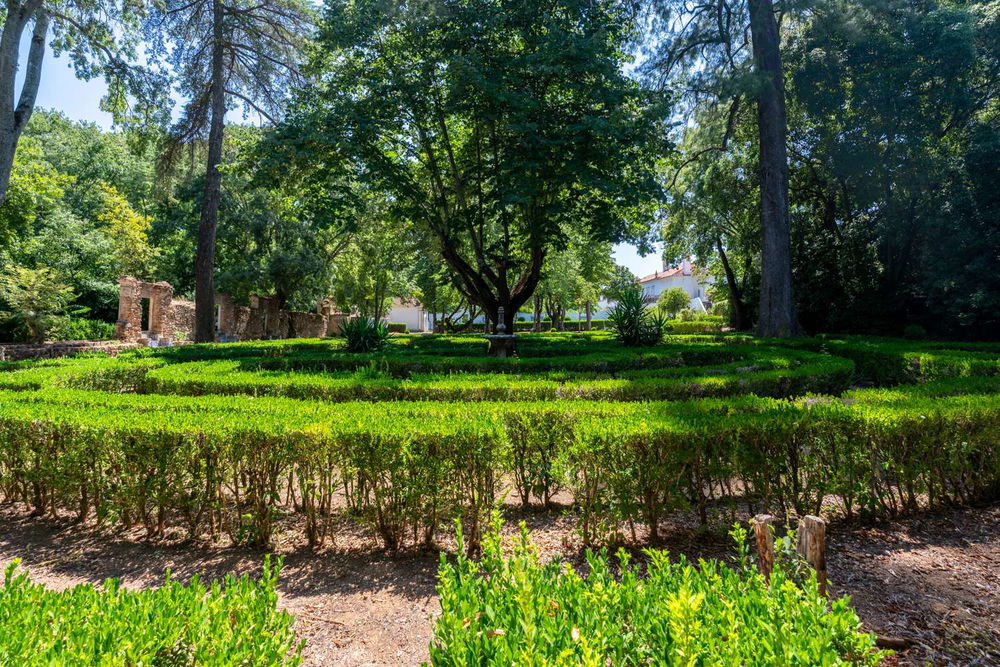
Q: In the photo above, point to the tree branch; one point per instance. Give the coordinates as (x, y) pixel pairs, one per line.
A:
(33, 75)
(249, 103)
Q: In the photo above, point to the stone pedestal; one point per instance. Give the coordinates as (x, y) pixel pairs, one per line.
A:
(501, 345)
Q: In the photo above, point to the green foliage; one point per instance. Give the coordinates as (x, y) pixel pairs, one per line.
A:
(35, 189)
(631, 321)
(229, 622)
(365, 334)
(103, 437)
(701, 324)
(375, 264)
(673, 301)
(132, 254)
(34, 297)
(517, 610)
(80, 328)
(73, 223)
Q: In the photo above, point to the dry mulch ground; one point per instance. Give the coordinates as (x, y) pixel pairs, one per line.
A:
(932, 583)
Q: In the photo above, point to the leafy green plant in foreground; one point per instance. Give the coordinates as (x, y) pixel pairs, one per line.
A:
(519, 611)
(230, 622)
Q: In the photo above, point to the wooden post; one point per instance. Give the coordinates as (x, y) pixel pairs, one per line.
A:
(812, 547)
(763, 531)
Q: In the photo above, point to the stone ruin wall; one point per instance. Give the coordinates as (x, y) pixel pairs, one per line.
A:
(171, 320)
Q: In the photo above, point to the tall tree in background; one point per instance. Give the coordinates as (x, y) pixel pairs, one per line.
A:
(100, 38)
(704, 48)
(226, 54)
(776, 316)
(714, 211)
(492, 124)
(894, 117)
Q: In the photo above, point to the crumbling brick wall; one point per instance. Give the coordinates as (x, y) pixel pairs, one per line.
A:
(174, 319)
(232, 319)
(306, 325)
(183, 319)
(268, 319)
(160, 310)
(21, 351)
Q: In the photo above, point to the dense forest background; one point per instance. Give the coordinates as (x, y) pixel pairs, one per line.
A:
(894, 167)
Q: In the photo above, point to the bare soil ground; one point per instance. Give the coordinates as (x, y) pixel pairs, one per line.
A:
(933, 582)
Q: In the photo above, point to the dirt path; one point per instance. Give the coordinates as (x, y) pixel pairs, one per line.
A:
(934, 581)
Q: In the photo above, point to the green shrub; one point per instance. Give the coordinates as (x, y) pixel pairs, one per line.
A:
(35, 297)
(365, 335)
(229, 622)
(398, 327)
(673, 301)
(519, 611)
(79, 328)
(631, 434)
(699, 325)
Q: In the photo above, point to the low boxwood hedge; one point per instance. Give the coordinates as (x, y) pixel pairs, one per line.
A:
(234, 621)
(517, 610)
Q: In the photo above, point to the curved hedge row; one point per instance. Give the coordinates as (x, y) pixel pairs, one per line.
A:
(182, 438)
(220, 464)
(789, 373)
(672, 372)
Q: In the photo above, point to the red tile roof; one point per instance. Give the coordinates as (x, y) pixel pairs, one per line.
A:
(676, 271)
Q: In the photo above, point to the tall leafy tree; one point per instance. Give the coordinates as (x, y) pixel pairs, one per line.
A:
(494, 125)
(714, 212)
(225, 54)
(894, 119)
(100, 37)
(724, 54)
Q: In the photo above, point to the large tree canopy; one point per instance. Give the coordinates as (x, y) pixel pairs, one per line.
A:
(495, 125)
(723, 54)
(225, 54)
(100, 37)
(894, 108)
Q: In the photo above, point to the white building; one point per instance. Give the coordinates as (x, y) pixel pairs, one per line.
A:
(687, 276)
(411, 313)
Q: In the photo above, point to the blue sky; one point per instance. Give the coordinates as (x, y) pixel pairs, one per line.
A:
(80, 100)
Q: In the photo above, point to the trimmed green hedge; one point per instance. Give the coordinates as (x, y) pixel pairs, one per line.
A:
(787, 374)
(406, 467)
(230, 622)
(519, 611)
(105, 438)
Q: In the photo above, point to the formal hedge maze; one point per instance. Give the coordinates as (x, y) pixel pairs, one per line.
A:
(229, 439)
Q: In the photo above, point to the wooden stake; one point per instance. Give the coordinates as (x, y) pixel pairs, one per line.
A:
(812, 547)
(764, 533)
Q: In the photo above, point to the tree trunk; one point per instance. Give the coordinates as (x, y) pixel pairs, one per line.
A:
(777, 310)
(589, 315)
(205, 262)
(13, 119)
(495, 292)
(739, 319)
(537, 326)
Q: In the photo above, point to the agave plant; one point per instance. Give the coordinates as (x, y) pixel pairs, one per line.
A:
(365, 334)
(631, 321)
